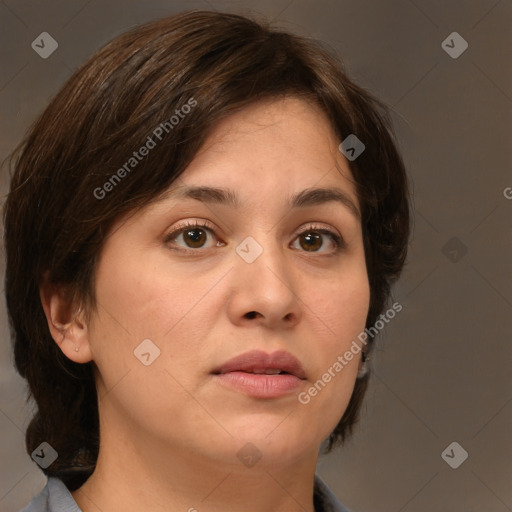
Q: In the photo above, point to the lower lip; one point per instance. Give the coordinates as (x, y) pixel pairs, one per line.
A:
(260, 385)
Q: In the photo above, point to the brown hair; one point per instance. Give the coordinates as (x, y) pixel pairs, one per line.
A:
(55, 223)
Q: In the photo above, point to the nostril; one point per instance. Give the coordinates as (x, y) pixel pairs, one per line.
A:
(251, 314)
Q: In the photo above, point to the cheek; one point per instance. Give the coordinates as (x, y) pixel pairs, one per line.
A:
(338, 313)
(142, 298)
(340, 304)
(137, 303)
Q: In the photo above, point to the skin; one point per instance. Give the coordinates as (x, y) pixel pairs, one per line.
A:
(169, 431)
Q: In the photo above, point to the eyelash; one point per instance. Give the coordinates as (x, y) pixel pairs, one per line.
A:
(337, 239)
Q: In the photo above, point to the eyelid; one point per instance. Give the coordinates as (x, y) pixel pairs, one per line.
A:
(316, 226)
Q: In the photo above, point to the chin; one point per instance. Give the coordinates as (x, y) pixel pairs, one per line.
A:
(278, 440)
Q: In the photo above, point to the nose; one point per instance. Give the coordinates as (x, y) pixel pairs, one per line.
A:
(264, 291)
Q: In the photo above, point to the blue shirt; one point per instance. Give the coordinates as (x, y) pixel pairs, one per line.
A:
(55, 497)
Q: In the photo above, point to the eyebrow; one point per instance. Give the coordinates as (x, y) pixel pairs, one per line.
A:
(308, 197)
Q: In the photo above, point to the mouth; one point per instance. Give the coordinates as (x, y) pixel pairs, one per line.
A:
(267, 371)
(258, 362)
(262, 375)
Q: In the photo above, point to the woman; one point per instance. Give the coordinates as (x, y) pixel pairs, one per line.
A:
(202, 228)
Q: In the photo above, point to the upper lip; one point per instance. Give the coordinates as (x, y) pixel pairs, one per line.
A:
(257, 360)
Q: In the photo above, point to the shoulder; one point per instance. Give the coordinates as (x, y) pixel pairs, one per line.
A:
(324, 498)
(54, 497)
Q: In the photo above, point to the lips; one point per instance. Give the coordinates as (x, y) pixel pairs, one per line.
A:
(259, 363)
(261, 375)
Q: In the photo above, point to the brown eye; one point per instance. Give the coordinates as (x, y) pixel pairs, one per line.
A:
(311, 241)
(192, 236)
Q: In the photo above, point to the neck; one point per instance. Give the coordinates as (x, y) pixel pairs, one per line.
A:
(133, 473)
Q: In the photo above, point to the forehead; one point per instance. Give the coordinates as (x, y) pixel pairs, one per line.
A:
(278, 144)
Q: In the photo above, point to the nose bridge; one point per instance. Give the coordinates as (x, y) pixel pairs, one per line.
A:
(260, 257)
(264, 283)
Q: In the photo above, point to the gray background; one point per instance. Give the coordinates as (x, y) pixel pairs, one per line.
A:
(442, 370)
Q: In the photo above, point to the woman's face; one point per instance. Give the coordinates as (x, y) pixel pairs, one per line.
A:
(262, 271)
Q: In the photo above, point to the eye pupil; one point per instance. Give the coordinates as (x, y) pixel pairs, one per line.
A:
(313, 241)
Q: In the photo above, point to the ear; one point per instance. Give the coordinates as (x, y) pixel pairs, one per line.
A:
(66, 324)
